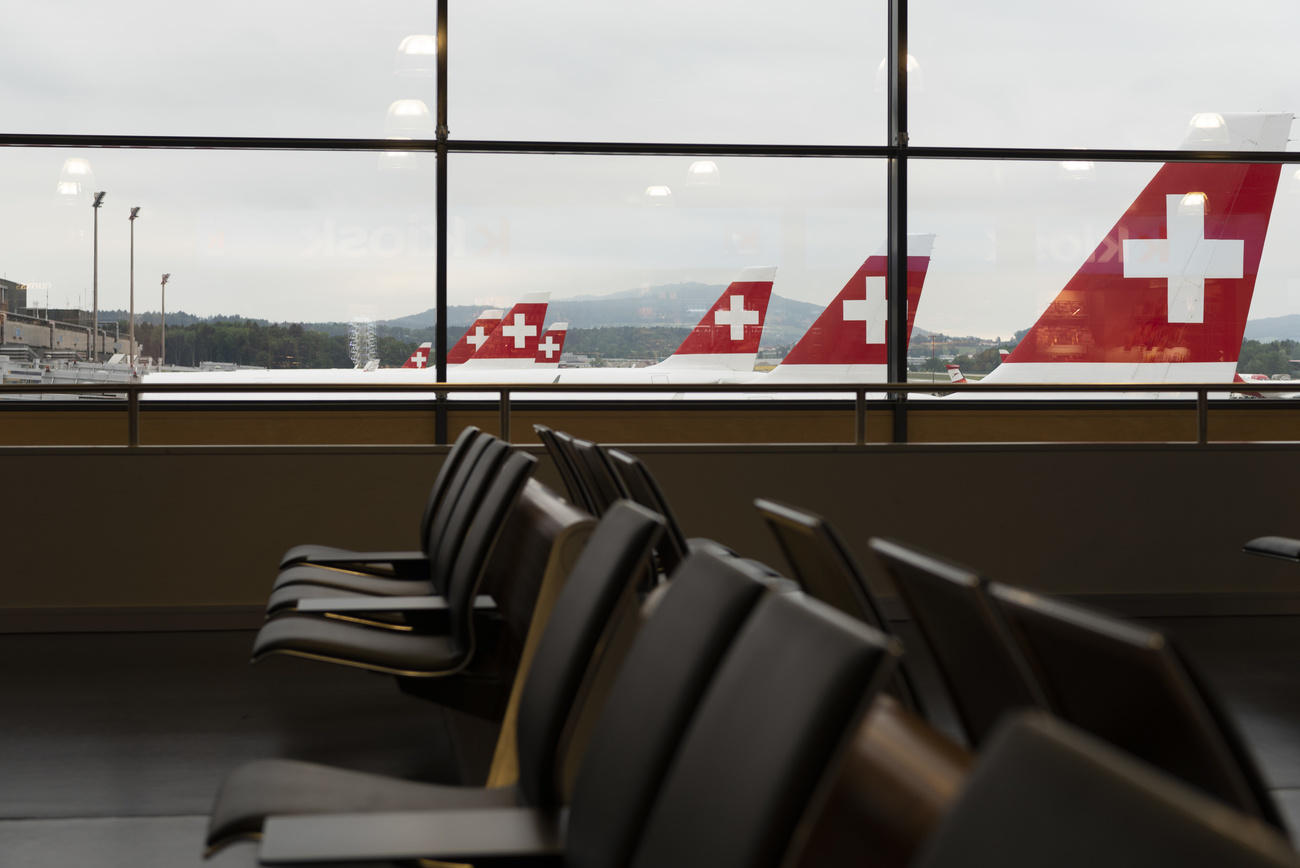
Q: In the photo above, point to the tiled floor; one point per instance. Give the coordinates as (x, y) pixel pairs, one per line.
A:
(112, 745)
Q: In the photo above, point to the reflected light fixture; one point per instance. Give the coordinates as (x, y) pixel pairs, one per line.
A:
(408, 119)
(417, 55)
(1193, 203)
(658, 194)
(395, 161)
(1078, 170)
(1207, 129)
(915, 75)
(75, 178)
(703, 173)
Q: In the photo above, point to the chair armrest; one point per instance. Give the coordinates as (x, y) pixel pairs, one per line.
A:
(426, 603)
(401, 564)
(1283, 547)
(460, 835)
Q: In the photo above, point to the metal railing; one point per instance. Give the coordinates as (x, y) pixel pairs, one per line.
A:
(441, 395)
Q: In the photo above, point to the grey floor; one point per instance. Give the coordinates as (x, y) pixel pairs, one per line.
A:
(112, 745)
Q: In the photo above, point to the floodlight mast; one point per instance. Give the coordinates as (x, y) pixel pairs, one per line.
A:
(93, 350)
(130, 336)
(162, 356)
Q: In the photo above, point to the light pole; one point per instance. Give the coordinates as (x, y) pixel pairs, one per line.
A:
(163, 355)
(93, 355)
(130, 334)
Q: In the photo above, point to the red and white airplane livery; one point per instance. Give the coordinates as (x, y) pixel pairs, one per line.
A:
(846, 343)
(1164, 297)
(475, 336)
(551, 345)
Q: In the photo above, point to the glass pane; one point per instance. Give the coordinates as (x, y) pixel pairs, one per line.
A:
(677, 71)
(1114, 74)
(636, 251)
(322, 239)
(1104, 273)
(245, 68)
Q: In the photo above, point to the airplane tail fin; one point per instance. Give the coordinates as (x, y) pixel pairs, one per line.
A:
(514, 342)
(419, 358)
(1165, 295)
(847, 341)
(955, 375)
(552, 345)
(475, 336)
(727, 336)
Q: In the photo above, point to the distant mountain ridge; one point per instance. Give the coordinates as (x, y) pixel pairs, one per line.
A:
(678, 304)
(1274, 328)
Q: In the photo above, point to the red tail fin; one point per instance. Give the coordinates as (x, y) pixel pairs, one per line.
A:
(728, 334)
(1164, 297)
(552, 345)
(954, 374)
(851, 330)
(419, 358)
(515, 340)
(475, 336)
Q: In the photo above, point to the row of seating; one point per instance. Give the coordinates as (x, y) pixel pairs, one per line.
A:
(664, 701)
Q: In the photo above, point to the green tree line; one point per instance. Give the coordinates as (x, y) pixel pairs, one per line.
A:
(246, 342)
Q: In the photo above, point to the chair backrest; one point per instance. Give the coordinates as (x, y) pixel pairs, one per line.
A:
(563, 443)
(596, 475)
(755, 760)
(607, 570)
(640, 485)
(480, 538)
(447, 530)
(662, 678)
(1128, 685)
(898, 779)
(824, 568)
(1044, 793)
(979, 663)
(442, 482)
(563, 466)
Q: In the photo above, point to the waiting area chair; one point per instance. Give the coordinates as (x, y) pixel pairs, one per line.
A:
(604, 575)
(983, 670)
(1132, 687)
(822, 565)
(1046, 794)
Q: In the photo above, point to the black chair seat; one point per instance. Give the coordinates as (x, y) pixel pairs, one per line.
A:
(1282, 547)
(344, 585)
(416, 654)
(283, 787)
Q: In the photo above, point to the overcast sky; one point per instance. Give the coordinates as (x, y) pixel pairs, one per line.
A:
(334, 236)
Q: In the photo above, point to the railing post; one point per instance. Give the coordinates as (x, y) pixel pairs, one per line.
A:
(133, 416)
(505, 415)
(860, 418)
(1202, 416)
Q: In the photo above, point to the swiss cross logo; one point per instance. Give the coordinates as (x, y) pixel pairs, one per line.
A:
(870, 310)
(420, 357)
(1185, 258)
(478, 338)
(548, 347)
(737, 316)
(521, 330)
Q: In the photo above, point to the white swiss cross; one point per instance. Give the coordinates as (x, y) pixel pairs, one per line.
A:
(476, 340)
(870, 310)
(520, 331)
(548, 346)
(420, 358)
(737, 316)
(1185, 258)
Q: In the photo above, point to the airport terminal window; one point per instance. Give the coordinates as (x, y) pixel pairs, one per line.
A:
(287, 173)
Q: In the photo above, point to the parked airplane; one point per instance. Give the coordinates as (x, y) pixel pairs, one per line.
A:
(551, 346)
(475, 336)
(724, 342)
(1164, 297)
